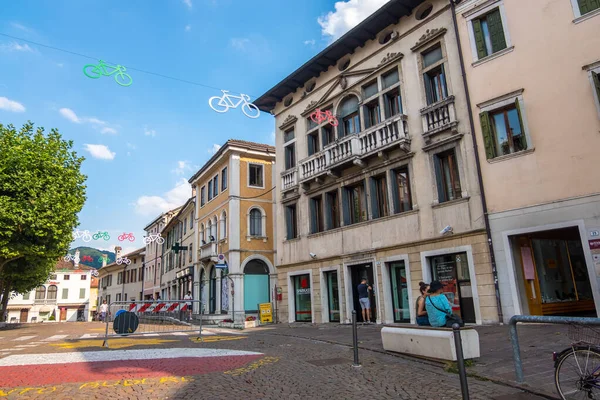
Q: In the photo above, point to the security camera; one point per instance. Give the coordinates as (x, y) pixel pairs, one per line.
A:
(447, 229)
(313, 255)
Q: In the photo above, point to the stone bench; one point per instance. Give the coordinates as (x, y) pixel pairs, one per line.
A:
(422, 341)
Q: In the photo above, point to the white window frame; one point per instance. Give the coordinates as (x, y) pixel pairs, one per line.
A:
(503, 101)
(263, 227)
(577, 12)
(478, 12)
(595, 68)
(262, 166)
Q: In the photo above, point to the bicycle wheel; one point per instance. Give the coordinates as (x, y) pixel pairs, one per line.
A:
(218, 104)
(131, 238)
(576, 374)
(92, 71)
(250, 110)
(86, 237)
(123, 79)
(160, 240)
(106, 237)
(95, 236)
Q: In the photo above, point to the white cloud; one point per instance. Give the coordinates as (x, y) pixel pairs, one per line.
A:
(70, 115)
(182, 167)
(214, 149)
(153, 205)
(188, 28)
(11, 105)
(149, 132)
(100, 151)
(94, 120)
(21, 27)
(239, 43)
(346, 16)
(131, 146)
(310, 42)
(109, 131)
(188, 3)
(14, 46)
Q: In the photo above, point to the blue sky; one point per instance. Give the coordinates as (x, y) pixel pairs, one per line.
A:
(144, 141)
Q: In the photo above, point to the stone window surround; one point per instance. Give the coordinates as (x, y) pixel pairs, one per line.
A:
(324, 293)
(503, 101)
(262, 168)
(387, 288)
(437, 39)
(263, 226)
(577, 13)
(455, 144)
(595, 68)
(478, 12)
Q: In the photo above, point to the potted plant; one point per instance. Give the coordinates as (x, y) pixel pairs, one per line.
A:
(250, 322)
(226, 323)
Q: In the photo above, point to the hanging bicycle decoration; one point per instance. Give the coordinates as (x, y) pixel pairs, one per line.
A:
(87, 259)
(101, 235)
(83, 235)
(102, 69)
(95, 273)
(320, 116)
(223, 103)
(71, 257)
(154, 237)
(103, 258)
(123, 260)
(126, 236)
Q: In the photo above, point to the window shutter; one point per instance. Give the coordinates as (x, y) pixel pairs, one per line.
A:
(373, 195)
(585, 6)
(395, 191)
(596, 79)
(523, 138)
(340, 127)
(345, 206)
(328, 211)
(427, 89)
(496, 31)
(313, 216)
(439, 179)
(479, 39)
(444, 84)
(288, 223)
(488, 136)
(311, 147)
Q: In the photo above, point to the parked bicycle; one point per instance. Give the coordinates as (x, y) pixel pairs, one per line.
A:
(101, 235)
(154, 237)
(577, 368)
(84, 235)
(223, 103)
(320, 116)
(96, 71)
(126, 236)
(123, 260)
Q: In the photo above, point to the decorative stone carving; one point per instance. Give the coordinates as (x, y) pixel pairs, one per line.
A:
(428, 36)
(310, 106)
(343, 82)
(390, 57)
(288, 121)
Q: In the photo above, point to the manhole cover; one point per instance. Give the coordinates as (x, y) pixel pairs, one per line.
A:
(329, 361)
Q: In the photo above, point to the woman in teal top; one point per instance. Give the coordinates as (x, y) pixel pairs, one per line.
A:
(437, 305)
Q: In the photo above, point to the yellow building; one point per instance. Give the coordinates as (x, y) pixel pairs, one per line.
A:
(235, 217)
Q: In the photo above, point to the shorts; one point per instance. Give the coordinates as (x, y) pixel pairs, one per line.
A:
(364, 303)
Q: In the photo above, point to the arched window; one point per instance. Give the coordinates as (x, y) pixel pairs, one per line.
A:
(256, 222)
(350, 117)
(223, 225)
(52, 289)
(202, 238)
(214, 227)
(256, 284)
(40, 293)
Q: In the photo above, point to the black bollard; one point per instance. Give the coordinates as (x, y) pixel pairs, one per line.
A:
(355, 339)
(462, 372)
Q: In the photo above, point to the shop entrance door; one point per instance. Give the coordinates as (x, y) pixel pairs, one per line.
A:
(63, 314)
(24, 315)
(399, 291)
(452, 270)
(302, 298)
(359, 272)
(333, 295)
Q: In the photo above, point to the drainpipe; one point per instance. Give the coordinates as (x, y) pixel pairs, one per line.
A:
(477, 160)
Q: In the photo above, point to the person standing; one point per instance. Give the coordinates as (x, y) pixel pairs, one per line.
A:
(103, 311)
(422, 318)
(188, 298)
(363, 299)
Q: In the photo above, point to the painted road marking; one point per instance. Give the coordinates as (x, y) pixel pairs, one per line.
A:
(150, 334)
(256, 364)
(216, 338)
(179, 333)
(16, 349)
(23, 338)
(26, 345)
(118, 343)
(217, 330)
(55, 338)
(89, 336)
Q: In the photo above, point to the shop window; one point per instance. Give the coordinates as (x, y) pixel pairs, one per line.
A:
(399, 287)
(452, 270)
(302, 298)
(401, 190)
(316, 214)
(291, 222)
(332, 215)
(379, 196)
(333, 295)
(447, 176)
(354, 204)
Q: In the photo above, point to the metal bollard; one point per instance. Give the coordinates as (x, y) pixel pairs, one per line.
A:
(200, 328)
(355, 339)
(462, 372)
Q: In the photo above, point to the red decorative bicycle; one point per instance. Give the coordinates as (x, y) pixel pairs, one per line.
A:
(126, 236)
(319, 116)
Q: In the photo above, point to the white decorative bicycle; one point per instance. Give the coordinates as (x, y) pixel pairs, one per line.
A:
(123, 260)
(223, 103)
(71, 257)
(154, 237)
(84, 235)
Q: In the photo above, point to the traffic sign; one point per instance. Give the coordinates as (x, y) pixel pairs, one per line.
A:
(221, 263)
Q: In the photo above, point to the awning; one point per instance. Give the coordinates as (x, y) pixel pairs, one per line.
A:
(45, 309)
(17, 307)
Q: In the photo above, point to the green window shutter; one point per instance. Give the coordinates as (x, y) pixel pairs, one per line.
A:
(289, 217)
(439, 179)
(311, 147)
(395, 191)
(428, 93)
(313, 217)
(522, 138)
(496, 31)
(479, 39)
(328, 212)
(373, 194)
(346, 206)
(596, 79)
(488, 136)
(585, 6)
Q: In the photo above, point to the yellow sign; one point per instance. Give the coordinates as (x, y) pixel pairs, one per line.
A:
(266, 314)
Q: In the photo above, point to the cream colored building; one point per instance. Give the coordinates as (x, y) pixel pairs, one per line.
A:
(122, 280)
(235, 217)
(532, 69)
(389, 194)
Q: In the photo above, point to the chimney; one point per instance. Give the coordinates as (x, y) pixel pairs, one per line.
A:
(76, 259)
(118, 251)
(104, 257)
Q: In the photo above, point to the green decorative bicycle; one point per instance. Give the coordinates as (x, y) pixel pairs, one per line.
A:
(96, 71)
(101, 235)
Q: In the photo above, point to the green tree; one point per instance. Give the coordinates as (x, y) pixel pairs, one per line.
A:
(42, 190)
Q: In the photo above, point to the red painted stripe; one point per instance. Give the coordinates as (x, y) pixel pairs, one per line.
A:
(144, 307)
(39, 375)
(173, 307)
(158, 307)
(131, 307)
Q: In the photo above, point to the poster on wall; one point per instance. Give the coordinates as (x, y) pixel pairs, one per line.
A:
(224, 295)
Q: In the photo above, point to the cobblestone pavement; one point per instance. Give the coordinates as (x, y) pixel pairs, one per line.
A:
(286, 368)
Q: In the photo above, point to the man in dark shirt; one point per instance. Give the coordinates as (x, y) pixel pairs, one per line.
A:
(363, 299)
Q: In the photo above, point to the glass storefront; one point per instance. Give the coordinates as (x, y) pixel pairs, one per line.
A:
(399, 292)
(333, 296)
(452, 270)
(303, 305)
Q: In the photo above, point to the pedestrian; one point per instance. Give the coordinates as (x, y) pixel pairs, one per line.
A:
(422, 318)
(437, 305)
(103, 311)
(188, 303)
(363, 299)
